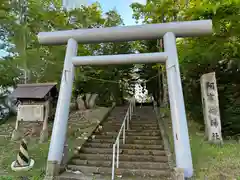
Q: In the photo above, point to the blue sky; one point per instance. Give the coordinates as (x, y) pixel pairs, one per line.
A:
(2, 53)
(122, 7)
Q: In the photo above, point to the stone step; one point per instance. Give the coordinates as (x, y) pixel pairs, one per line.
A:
(122, 157)
(131, 137)
(133, 120)
(139, 128)
(144, 127)
(77, 176)
(71, 176)
(142, 124)
(127, 146)
(143, 121)
(88, 170)
(128, 141)
(110, 127)
(135, 133)
(142, 157)
(125, 164)
(122, 151)
(144, 130)
(137, 122)
(131, 125)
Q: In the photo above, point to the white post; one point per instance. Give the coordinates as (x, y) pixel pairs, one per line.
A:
(124, 132)
(178, 114)
(62, 111)
(129, 110)
(118, 152)
(131, 105)
(127, 116)
(113, 162)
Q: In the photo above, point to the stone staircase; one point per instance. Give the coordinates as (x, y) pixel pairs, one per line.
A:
(141, 156)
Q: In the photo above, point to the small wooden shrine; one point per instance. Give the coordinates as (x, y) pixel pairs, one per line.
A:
(36, 104)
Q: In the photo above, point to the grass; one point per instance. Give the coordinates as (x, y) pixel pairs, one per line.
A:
(210, 160)
(39, 152)
(9, 151)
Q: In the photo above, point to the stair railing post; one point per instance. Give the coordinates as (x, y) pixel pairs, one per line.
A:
(113, 161)
(133, 106)
(118, 152)
(127, 116)
(134, 102)
(125, 123)
(124, 129)
(130, 109)
(129, 113)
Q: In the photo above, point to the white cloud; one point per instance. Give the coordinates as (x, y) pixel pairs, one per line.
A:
(139, 1)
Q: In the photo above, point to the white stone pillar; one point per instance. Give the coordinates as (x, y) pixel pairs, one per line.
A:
(178, 114)
(211, 108)
(61, 117)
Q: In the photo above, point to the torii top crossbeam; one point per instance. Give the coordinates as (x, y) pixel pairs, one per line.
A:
(128, 33)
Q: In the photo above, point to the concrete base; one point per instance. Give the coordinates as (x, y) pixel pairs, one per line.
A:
(65, 157)
(25, 168)
(52, 170)
(216, 142)
(16, 135)
(178, 174)
(44, 136)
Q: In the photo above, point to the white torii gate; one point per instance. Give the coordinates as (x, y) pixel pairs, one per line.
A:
(169, 31)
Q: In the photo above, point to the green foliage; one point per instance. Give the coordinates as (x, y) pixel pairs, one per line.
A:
(28, 61)
(108, 79)
(219, 52)
(110, 82)
(6, 178)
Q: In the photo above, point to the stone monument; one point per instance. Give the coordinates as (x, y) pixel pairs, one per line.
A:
(211, 108)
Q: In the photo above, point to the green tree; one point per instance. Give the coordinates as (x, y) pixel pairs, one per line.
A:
(109, 79)
(219, 52)
(23, 21)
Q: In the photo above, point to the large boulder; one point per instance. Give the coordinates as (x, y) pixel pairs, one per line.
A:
(80, 103)
(92, 101)
(89, 103)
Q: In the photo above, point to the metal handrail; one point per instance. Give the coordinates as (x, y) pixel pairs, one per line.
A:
(122, 131)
